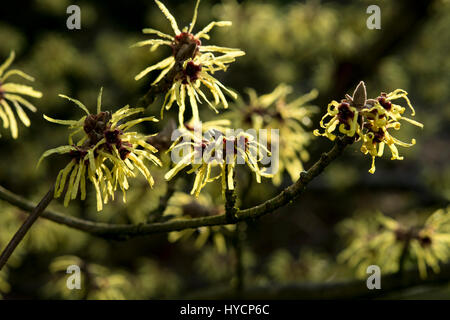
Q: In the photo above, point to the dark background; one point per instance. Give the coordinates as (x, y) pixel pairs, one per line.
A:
(324, 45)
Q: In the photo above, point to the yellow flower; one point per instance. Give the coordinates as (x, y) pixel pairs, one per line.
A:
(214, 153)
(382, 240)
(183, 206)
(369, 120)
(431, 245)
(381, 115)
(198, 64)
(107, 153)
(188, 83)
(11, 92)
(181, 42)
(372, 240)
(272, 111)
(345, 115)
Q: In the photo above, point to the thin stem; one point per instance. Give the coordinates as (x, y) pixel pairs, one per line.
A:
(403, 256)
(125, 231)
(230, 198)
(238, 240)
(20, 234)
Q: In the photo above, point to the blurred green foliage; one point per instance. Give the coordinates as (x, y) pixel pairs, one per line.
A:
(303, 44)
(390, 244)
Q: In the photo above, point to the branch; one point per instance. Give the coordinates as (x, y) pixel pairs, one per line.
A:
(296, 189)
(230, 198)
(20, 234)
(333, 290)
(125, 231)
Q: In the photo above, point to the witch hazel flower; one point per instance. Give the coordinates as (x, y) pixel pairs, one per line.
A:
(213, 152)
(369, 120)
(107, 153)
(188, 84)
(274, 110)
(198, 64)
(11, 93)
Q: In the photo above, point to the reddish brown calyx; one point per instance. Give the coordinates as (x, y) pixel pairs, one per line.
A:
(191, 71)
(78, 154)
(95, 125)
(425, 241)
(384, 102)
(188, 126)
(185, 46)
(345, 114)
(240, 142)
(112, 137)
(378, 136)
(200, 147)
(278, 116)
(406, 235)
(373, 114)
(124, 150)
(98, 126)
(204, 144)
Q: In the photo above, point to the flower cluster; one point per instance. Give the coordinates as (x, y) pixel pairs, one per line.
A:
(272, 111)
(198, 63)
(371, 240)
(107, 153)
(383, 241)
(10, 93)
(214, 148)
(369, 120)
